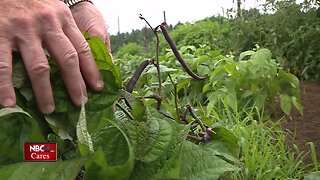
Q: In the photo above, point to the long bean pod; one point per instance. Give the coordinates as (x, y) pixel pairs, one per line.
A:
(177, 53)
(133, 81)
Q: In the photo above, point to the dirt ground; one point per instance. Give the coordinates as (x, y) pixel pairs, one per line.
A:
(306, 128)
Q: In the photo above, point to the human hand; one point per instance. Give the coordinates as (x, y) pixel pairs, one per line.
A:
(89, 19)
(30, 25)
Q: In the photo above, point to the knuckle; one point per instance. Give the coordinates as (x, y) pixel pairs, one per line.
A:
(5, 68)
(64, 11)
(97, 30)
(84, 48)
(47, 15)
(40, 69)
(102, 36)
(69, 59)
(24, 22)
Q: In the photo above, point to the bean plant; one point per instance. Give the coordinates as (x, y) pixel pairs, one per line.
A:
(181, 115)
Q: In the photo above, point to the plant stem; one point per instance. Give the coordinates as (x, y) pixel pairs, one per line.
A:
(166, 115)
(154, 96)
(157, 58)
(175, 97)
(196, 118)
(195, 138)
(157, 98)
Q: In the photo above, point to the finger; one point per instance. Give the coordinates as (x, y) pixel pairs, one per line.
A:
(102, 33)
(38, 70)
(88, 66)
(89, 19)
(60, 47)
(99, 29)
(107, 42)
(95, 30)
(64, 54)
(7, 95)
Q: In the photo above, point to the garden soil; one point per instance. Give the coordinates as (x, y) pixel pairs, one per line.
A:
(306, 128)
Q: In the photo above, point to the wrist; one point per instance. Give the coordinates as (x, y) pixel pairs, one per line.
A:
(71, 3)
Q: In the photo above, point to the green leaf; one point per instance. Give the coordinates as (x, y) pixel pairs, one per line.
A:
(285, 103)
(26, 91)
(83, 135)
(260, 98)
(99, 106)
(43, 170)
(139, 110)
(247, 94)
(184, 49)
(150, 139)
(289, 78)
(17, 127)
(17, 109)
(231, 97)
(297, 105)
(163, 69)
(202, 163)
(225, 142)
(184, 83)
(245, 54)
(203, 70)
(312, 176)
(167, 165)
(114, 158)
(19, 74)
(63, 146)
(158, 139)
(261, 56)
(65, 117)
(103, 58)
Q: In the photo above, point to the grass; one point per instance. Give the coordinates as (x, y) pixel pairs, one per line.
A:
(264, 153)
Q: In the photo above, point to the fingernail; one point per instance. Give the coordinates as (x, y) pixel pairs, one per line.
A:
(8, 102)
(100, 84)
(48, 109)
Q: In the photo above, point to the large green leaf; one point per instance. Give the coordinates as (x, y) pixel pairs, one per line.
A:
(261, 56)
(64, 120)
(98, 107)
(17, 127)
(202, 163)
(114, 158)
(224, 142)
(67, 170)
(289, 78)
(285, 103)
(151, 139)
(168, 152)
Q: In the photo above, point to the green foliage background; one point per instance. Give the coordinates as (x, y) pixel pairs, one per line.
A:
(291, 31)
